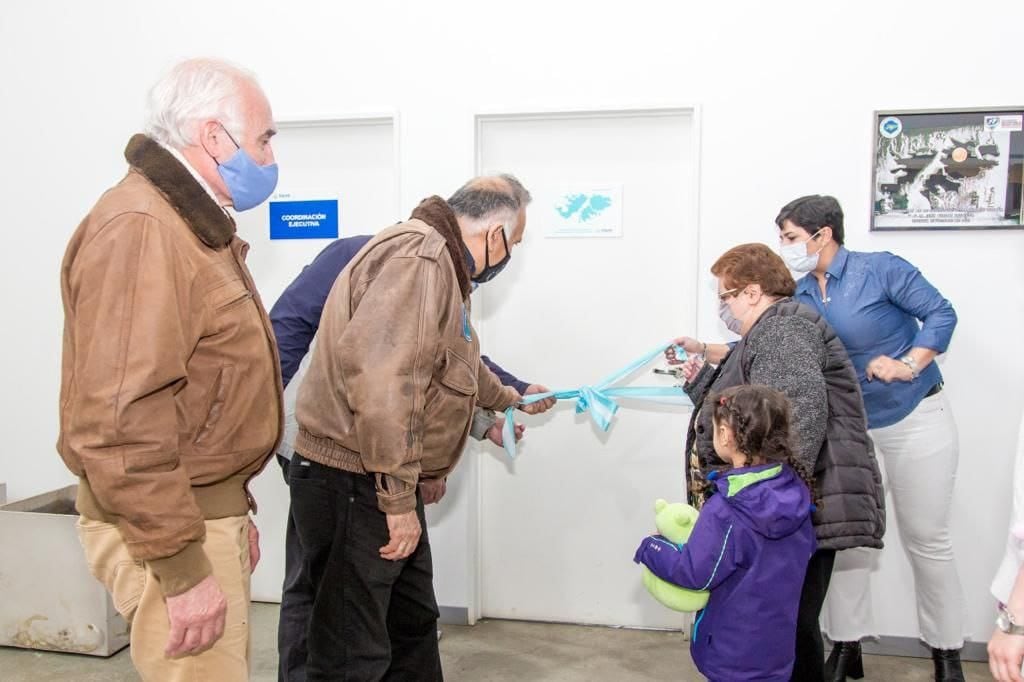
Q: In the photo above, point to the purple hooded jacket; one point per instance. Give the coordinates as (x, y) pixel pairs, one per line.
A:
(750, 548)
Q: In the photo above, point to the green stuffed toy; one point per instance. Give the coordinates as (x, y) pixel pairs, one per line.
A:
(675, 522)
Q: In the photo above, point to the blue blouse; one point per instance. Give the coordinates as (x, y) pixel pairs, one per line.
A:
(875, 301)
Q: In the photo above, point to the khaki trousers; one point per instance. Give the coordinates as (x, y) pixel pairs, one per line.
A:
(137, 596)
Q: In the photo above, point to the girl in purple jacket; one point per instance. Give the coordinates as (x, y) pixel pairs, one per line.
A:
(750, 545)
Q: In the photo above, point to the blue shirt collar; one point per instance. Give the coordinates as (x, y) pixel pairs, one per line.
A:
(838, 265)
(808, 283)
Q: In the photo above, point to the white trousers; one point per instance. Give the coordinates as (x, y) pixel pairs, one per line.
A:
(920, 456)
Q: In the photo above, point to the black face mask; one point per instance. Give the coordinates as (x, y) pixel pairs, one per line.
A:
(491, 271)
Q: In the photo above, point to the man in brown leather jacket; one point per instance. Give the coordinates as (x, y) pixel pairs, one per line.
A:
(383, 414)
(171, 389)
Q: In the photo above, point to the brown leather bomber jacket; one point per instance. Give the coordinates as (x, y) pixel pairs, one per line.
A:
(170, 385)
(396, 371)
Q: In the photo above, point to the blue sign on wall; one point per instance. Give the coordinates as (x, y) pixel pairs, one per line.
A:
(317, 219)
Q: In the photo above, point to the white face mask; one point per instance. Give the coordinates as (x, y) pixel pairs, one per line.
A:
(725, 313)
(796, 257)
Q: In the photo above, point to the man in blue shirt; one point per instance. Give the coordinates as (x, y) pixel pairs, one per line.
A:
(296, 318)
(893, 323)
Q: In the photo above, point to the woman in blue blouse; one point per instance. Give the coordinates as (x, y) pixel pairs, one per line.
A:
(893, 324)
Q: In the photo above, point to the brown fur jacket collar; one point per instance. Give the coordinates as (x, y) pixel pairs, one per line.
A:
(436, 212)
(193, 203)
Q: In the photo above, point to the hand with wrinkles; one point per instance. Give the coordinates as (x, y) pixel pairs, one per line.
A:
(404, 532)
(196, 618)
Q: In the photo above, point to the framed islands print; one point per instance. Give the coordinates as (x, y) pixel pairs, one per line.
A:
(948, 169)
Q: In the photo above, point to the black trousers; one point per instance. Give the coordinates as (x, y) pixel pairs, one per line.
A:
(372, 619)
(809, 665)
(296, 604)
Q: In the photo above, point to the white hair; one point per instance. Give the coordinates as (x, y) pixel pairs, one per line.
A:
(194, 91)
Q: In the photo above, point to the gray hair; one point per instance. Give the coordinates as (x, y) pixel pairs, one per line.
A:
(498, 196)
(193, 91)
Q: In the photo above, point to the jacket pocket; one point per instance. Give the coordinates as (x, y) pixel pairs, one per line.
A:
(458, 375)
(149, 462)
(228, 295)
(448, 411)
(216, 400)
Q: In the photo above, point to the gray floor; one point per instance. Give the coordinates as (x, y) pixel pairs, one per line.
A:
(492, 651)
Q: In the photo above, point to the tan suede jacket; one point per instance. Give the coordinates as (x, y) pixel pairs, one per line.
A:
(396, 371)
(170, 384)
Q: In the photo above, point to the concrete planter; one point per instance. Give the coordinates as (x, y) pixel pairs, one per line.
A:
(49, 600)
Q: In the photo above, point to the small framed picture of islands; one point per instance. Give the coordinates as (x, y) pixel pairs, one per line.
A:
(948, 169)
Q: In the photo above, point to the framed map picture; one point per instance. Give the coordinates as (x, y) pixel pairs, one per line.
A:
(954, 169)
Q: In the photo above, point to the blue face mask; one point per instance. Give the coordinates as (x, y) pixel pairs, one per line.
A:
(249, 184)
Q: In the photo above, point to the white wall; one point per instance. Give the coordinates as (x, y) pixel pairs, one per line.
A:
(786, 91)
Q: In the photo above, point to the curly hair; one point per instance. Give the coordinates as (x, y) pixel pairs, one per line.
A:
(759, 417)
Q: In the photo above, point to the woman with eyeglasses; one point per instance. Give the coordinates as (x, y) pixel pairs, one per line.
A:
(789, 347)
(893, 323)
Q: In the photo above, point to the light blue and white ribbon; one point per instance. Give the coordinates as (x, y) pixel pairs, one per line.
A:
(599, 399)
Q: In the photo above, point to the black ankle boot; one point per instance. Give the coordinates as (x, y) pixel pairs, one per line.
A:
(947, 665)
(844, 661)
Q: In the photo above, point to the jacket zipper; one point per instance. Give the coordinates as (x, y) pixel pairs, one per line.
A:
(250, 286)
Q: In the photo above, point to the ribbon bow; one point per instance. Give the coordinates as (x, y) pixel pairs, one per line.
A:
(599, 399)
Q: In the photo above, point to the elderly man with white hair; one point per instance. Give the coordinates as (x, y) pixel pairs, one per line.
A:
(171, 390)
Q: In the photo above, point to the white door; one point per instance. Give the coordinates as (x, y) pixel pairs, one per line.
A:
(558, 527)
(354, 160)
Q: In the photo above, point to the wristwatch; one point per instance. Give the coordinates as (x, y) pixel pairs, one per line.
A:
(1005, 622)
(910, 362)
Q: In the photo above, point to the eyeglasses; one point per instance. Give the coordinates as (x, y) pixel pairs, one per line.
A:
(731, 293)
